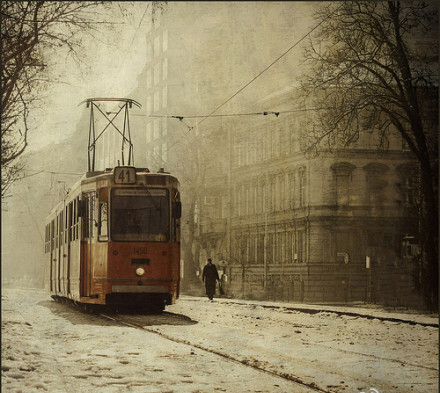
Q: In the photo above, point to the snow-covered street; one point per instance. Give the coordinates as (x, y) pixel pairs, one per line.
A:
(54, 347)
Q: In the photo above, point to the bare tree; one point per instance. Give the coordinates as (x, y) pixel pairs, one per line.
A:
(30, 30)
(374, 66)
(191, 172)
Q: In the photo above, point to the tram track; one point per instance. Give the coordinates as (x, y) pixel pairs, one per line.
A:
(244, 362)
(247, 362)
(252, 363)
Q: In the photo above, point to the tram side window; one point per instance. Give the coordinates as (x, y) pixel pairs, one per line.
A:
(46, 238)
(86, 218)
(70, 210)
(57, 237)
(92, 217)
(89, 219)
(52, 233)
(66, 224)
(75, 219)
(103, 222)
(77, 234)
(61, 228)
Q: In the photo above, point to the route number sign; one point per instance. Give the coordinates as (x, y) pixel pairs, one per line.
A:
(125, 175)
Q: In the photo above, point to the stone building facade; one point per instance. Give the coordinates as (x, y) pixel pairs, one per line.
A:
(299, 228)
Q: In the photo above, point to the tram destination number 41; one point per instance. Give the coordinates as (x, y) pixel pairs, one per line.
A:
(125, 175)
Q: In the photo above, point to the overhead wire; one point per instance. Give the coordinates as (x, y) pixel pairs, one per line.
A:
(265, 113)
(270, 65)
(211, 114)
(131, 43)
(37, 172)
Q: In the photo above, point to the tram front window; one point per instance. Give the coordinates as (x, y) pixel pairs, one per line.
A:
(140, 215)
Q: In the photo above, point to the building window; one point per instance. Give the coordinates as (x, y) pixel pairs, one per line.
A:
(164, 153)
(302, 187)
(301, 246)
(408, 184)
(240, 155)
(149, 133)
(252, 247)
(224, 212)
(255, 193)
(156, 101)
(375, 184)
(239, 197)
(156, 154)
(280, 247)
(149, 104)
(270, 196)
(165, 41)
(260, 248)
(270, 248)
(156, 46)
(291, 252)
(291, 192)
(164, 69)
(259, 148)
(149, 50)
(156, 129)
(149, 79)
(276, 140)
(282, 192)
(292, 138)
(409, 191)
(156, 73)
(252, 153)
(259, 198)
(342, 189)
(246, 249)
(342, 178)
(246, 199)
(164, 97)
(164, 126)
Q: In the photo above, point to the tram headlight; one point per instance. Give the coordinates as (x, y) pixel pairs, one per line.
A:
(140, 271)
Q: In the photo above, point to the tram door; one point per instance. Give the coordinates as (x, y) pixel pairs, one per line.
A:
(52, 255)
(58, 256)
(69, 225)
(88, 200)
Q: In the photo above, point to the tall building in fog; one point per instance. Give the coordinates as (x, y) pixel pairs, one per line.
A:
(198, 54)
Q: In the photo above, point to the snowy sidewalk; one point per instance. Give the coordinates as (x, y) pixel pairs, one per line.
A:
(367, 311)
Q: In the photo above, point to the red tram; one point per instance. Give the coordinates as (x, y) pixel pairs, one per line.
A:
(115, 240)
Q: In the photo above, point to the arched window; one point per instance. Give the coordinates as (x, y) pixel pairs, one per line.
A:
(342, 173)
(376, 183)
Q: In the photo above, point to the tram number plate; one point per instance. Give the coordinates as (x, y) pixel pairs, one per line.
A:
(125, 175)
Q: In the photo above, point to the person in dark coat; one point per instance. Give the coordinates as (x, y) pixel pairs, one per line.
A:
(210, 276)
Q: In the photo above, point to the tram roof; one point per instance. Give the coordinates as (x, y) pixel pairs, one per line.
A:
(89, 177)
